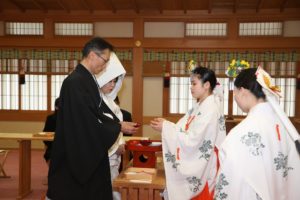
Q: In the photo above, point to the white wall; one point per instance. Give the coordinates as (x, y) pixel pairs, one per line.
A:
(152, 102)
(291, 29)
(164, 29)
(125, 94)
(114, 29)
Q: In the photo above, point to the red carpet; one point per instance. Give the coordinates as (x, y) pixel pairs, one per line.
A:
(39, 170)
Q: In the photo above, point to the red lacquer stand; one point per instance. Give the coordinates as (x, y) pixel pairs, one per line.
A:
(144, 152)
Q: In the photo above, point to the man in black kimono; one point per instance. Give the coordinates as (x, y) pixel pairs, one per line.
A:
(79, 167)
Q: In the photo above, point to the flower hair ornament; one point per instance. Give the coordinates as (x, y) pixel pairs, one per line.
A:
(191, 66)
(265, 80)
(271, 91)
(236, 66)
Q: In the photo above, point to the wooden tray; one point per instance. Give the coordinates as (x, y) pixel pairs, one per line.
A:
(43, 134)
(140, 174)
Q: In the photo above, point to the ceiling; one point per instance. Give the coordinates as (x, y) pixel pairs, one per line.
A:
(140, 6)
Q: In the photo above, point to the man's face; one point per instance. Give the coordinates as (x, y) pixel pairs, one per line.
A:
(101, 60)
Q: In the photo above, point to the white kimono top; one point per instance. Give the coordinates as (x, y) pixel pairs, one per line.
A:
(188, 149)
(258, 160)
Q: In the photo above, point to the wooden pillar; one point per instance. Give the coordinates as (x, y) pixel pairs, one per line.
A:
(232, 33)
(48, 28)
(48, 34)
(232, 28)
(137, 68)
(24, 168)
(297, 103)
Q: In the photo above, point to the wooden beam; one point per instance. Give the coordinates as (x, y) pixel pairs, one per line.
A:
(210, 5)
(184, 6)
(18, 5)
(73, 42)
(39, 5)
(223, 4)
(136, 6)
(234, 43)
(62, 5)
(282, 5)
(157, 43)
(259, 5)
(236, 5)
(160, 6)
(86, 5)
(113, 6)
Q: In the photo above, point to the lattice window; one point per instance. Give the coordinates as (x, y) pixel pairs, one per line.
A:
(24, 28)
(34, 93)
(9, 65)
(38, 67)
(206, 29)
(9, 91)
(280, 68)
(180, 99)
(80, 29)
(260, 28)
(217, 67)
(65, 66)
(34, 65)
(178, 68)
(56, 83)
(224, 82)
(288, 100)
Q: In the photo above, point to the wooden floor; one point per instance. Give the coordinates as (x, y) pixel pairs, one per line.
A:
(39, 170)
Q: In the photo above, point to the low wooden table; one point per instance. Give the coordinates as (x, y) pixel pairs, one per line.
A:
(24, 140)
(140, 190)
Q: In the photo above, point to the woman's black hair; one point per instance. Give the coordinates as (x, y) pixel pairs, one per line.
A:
(117, 100)
(205, 74)
(247, 80)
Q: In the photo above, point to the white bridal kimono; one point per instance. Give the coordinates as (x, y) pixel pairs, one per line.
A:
(113, 70)
(258, 160)
(189, 155)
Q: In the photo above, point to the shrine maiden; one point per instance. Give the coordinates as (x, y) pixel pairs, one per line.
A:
(259, 159)
(189, 146)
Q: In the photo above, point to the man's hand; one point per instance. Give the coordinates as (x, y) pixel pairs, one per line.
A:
(129, 127)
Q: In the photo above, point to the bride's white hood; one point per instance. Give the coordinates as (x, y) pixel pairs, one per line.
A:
(113, 69)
